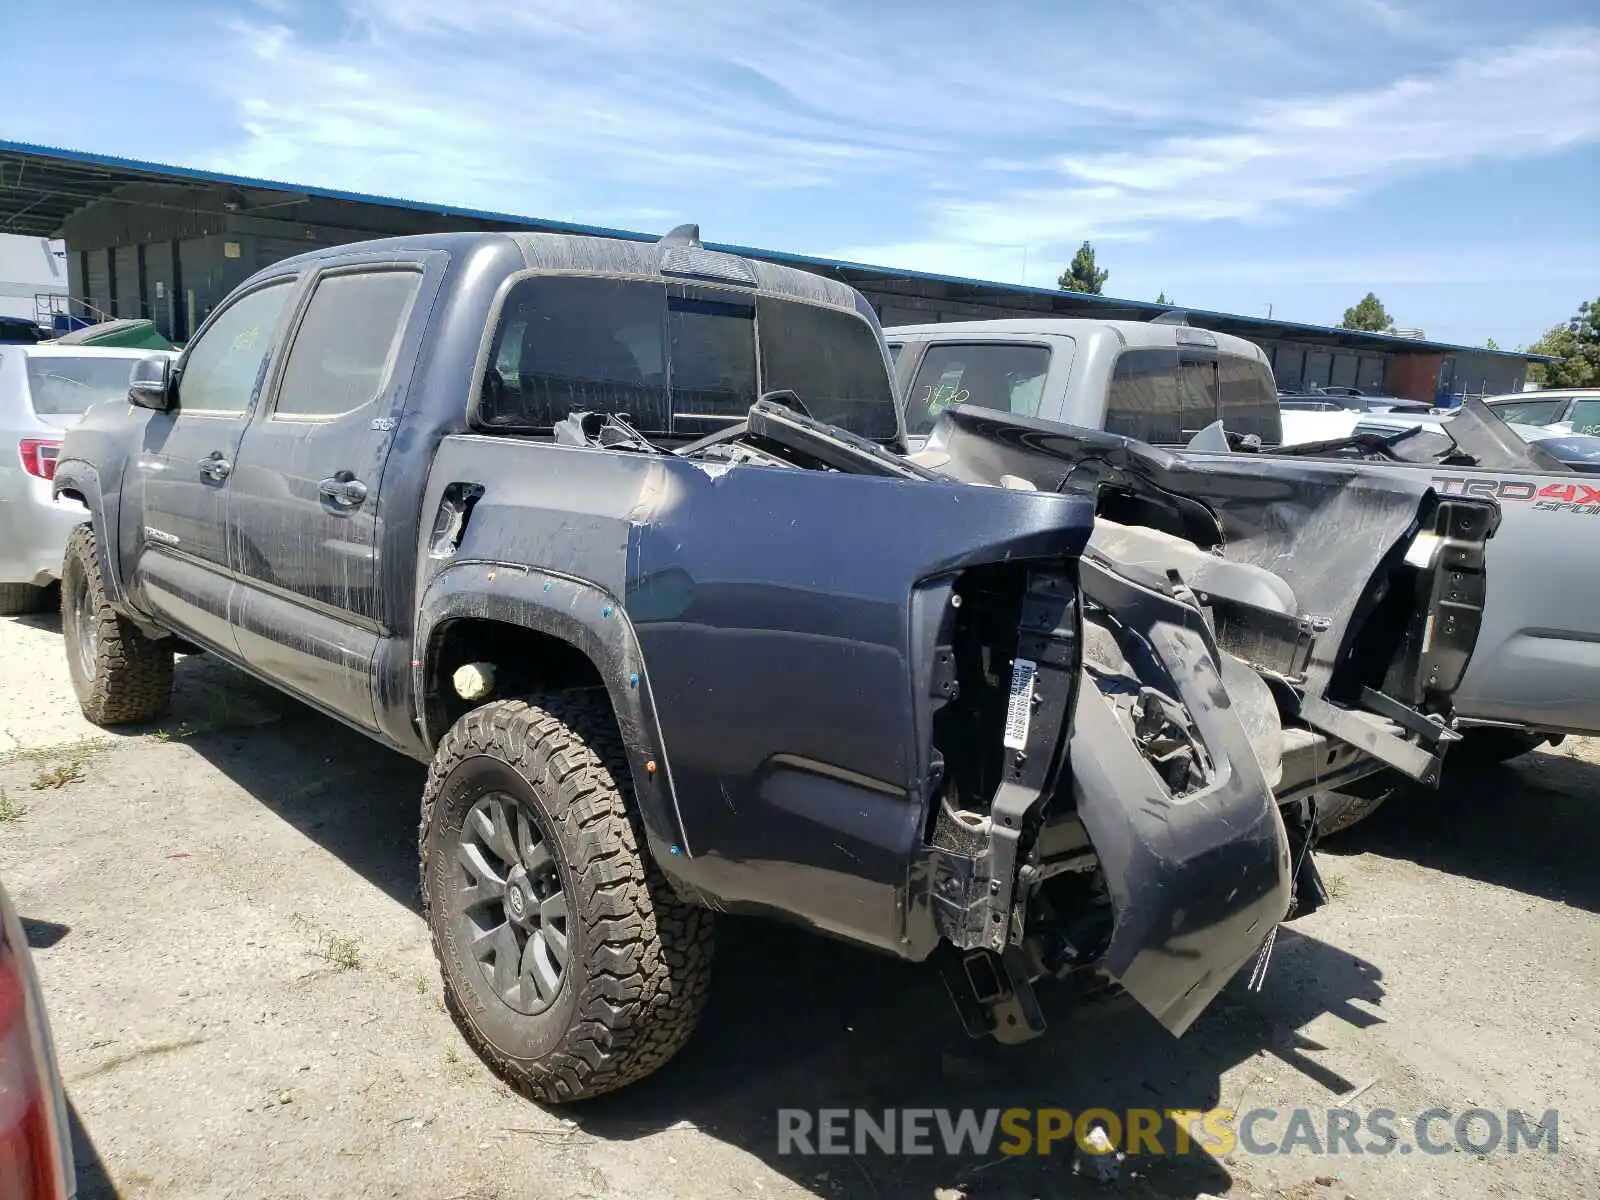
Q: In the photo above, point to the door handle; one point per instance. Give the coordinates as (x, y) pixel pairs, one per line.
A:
(215, 467)
(346, 493)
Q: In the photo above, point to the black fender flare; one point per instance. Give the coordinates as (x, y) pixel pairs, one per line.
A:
(75, 476)
(592, 621)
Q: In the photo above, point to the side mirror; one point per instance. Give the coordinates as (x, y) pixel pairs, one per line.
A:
(150, 385)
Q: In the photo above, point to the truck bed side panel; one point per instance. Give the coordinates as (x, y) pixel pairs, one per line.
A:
(1538, 654)
(777, 651)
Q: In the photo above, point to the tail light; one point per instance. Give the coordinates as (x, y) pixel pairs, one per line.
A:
(34, 1155)
(39, 456)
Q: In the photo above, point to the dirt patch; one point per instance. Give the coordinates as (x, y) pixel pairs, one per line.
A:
(245, 1002)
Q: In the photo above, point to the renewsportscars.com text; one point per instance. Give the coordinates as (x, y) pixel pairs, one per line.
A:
(1150, 1131)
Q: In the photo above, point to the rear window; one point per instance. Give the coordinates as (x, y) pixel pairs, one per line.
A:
(1165, 395)
(833, 361)
(676, 360)
(576, 345)
(65, 387)
(1530, 412)
(998, 376)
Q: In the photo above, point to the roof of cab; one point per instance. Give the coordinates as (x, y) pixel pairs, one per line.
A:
(611, 256)
(1131, 333)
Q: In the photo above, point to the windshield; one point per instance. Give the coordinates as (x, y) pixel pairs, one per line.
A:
(66, 387)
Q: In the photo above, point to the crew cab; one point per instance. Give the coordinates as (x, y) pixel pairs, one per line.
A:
(622, 538)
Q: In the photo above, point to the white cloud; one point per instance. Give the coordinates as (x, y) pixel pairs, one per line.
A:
(680, 94)
(958, 142)
(1280, 156)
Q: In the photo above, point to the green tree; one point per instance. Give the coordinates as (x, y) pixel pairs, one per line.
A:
(1162, 299)
(1082, 275)
(1491, 344)
(1368, 314)
(1577, 344)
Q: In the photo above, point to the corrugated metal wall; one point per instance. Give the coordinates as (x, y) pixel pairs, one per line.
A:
(128, 300)
(158, 282)
(97, 288)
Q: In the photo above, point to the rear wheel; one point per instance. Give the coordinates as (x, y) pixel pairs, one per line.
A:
(120, 676)
(569, 964)
(19, 598)
(1337, 811)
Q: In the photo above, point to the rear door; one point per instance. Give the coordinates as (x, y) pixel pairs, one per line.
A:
(181, 479)
(304, 510)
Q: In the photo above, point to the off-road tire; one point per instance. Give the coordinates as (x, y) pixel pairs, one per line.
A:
(1488, 747)
(639, 960)
(19, 598)
(130, 678)
(1338, 811)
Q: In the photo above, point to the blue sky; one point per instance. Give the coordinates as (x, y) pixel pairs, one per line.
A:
(1291, 153)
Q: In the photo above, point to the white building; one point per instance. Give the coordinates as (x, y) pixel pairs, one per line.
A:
(30, 267)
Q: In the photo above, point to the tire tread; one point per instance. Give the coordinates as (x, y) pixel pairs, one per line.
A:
(133, 674)
(646, 963)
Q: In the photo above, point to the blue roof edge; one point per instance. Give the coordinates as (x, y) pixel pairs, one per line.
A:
(778, 256)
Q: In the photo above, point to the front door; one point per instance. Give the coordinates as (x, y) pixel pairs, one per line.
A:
(304, 510)
(182, 477)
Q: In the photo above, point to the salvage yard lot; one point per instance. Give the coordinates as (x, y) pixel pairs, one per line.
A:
(225, 914)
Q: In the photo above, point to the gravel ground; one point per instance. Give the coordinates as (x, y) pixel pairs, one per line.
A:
(226, 926)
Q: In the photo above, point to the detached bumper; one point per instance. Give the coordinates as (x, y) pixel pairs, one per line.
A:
(1197, 882)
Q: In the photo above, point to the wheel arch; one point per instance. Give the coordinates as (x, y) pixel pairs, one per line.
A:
(79, 481)
(549, 632)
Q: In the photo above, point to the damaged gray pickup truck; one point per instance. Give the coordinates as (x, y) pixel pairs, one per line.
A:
(621, 538)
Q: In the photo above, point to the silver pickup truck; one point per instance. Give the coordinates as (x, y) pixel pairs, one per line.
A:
(1535, 674)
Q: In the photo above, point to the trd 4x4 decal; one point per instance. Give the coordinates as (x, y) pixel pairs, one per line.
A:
(1551, 497)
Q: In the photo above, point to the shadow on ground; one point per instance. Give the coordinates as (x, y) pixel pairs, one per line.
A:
(1530, 824)
(94, 1182)
(799, 1022)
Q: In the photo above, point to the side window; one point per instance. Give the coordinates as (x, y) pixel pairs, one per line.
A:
(1002, 377)
(223, 365)
(345, 347)
(577, 344)
(1532, 412)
